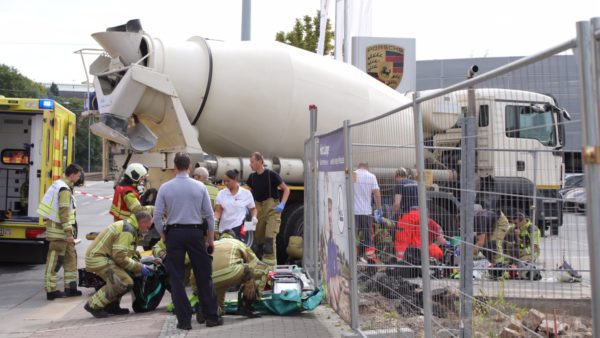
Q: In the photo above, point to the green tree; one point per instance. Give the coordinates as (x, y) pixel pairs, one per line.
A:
(13, 84)
(53, 90)
(305, 34)
(80, 155)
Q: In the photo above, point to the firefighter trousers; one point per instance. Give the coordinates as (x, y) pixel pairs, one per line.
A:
(267, 229)
(60, 255)
(118, 282)
(222, 285)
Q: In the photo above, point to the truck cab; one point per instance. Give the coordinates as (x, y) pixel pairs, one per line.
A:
(36, 145)
(517, 135)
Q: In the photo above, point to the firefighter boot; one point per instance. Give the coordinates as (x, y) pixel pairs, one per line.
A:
(114, 308)
(246, 309)
(98, 313)
(72, 291)
(55, 294)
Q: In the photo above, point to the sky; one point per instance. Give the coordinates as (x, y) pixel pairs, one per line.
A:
(39, 37)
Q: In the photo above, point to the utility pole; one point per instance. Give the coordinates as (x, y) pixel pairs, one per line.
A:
(246, 19)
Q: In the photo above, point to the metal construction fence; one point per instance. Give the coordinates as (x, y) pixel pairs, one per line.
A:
(453, 215)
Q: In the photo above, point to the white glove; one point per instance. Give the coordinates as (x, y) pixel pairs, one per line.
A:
(254, 221)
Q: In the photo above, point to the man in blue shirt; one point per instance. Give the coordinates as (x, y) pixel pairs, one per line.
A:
(185, 201)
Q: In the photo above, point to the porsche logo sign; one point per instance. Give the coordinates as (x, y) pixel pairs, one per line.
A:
(386, 63)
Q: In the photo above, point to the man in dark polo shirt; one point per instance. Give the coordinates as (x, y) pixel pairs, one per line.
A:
(264, 183)
(185, 201)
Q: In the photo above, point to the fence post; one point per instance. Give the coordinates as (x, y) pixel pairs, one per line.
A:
(534, 212)
(315, 206)
(589, 66)
(467, 201)
(312, 196)
(424, 219)
(351, 226)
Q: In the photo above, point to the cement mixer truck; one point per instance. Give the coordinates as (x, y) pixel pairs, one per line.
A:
(220, 101)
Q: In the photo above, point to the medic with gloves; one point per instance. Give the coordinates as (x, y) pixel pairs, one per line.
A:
(263, 184)
(110, 256)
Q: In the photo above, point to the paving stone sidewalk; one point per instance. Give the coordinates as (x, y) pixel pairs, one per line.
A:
(320, 323)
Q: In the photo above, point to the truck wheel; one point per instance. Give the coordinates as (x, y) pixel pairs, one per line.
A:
(292, 224)
(444, 218)
(280, 240)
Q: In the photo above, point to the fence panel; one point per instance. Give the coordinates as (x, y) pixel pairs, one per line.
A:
(522, 244)
(527, 243)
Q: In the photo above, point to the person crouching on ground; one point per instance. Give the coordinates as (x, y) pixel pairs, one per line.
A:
(110, 256)
(526, 239)
(236, 264)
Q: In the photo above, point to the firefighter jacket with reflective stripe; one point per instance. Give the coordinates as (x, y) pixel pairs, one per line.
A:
(126, 201)
(526, 240)
(58, 206)
(499, 234)
(115, 245)
(229, 259)
(159, 250)
(213, 191)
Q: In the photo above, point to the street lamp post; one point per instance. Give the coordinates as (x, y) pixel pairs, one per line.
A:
(89, 147)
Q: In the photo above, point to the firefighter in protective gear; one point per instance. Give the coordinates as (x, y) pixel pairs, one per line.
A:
(159, 250)
(490, 229)
(126, 200)
(58, 210)
(264, 184)
(201, 174)
(236, 264)
(527, 241)
(111, 256)
(233, 264)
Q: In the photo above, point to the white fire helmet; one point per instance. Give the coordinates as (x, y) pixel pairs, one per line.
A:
(136, 171)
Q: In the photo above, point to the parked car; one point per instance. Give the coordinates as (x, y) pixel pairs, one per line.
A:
(574, 181)
(574, 200)
(573, 193)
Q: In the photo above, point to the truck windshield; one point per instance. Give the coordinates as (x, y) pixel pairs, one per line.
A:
(530, 122)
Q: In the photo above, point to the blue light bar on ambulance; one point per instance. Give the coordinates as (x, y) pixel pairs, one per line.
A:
(46, 104)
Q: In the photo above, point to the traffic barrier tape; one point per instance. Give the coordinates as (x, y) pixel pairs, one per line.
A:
(94, 195)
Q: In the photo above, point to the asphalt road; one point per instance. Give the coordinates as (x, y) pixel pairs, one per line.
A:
(23, 305)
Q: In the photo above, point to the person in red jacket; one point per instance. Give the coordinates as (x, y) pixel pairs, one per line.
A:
(126, 200)
(409, 234)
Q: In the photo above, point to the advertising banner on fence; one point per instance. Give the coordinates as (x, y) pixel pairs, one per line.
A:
(333, 227)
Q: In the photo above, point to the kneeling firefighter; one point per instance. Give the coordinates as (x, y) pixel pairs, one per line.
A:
(110, 256)
(490, 227)
(126, 200)
(236, 264)
(159, 250)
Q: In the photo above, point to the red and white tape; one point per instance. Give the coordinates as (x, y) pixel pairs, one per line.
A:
(93, 195)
